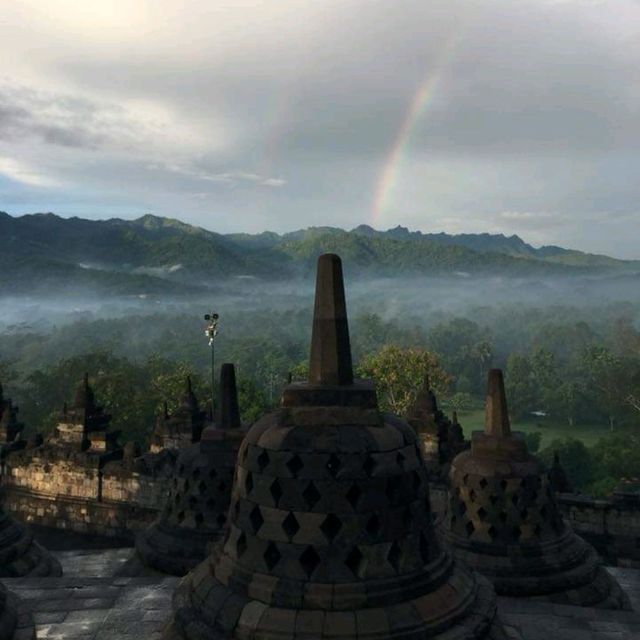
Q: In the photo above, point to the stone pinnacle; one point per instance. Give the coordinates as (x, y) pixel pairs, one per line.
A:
(330, 361)
(228, 411)
(497, 415)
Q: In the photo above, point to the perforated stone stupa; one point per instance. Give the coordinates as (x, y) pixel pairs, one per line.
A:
(16, 623)
(200, 491)
(330, 529)
(502, 520)
(440, 438)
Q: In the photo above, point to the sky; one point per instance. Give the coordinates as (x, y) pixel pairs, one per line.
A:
(500, 116)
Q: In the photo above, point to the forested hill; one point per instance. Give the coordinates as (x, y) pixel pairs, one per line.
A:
(43, 252)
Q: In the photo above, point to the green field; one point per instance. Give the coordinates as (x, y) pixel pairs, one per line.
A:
(589, 434)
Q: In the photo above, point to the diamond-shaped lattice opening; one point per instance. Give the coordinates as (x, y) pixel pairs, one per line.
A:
(514, 499)
(222, 485)
(482, 513)
(394, 555)
(271, 556)
(290, 525)
(309, 560)
(221, 519)
(241, 545)
(462, 507)
(211, 504)
(453, 520)
(196, 474)
(516, 533)
(186, 485)
(236, 509)
(263, 461)
(353, 495)
(503, 485)
(212, 473)
(400, 459)
(311, 495)
(543, 511)
(248, 483)
(245, 454)
(331, 526)
(295, 465)
(369, 465)
(373, 525)
(256, 519)
(483, 483)
(202, 487)
(276, 491)
(354, 561)
(180, 516)
(493, 532)
(199, 519)
(524, 513)
(465, 478)
(493, 499)
(537, 530)
(181, 469)
(407, 517)
(415, 480)
(503, 517)
(472, 495)
(192, 501)
(469, 527)
(333, 464)
(175, 482)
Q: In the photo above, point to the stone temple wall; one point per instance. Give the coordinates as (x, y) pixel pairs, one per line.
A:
(75, 493)
(612, 525)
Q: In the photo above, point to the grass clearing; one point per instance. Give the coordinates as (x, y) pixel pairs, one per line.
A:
(589, 434)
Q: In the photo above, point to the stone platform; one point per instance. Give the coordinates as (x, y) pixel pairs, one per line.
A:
(92, 603)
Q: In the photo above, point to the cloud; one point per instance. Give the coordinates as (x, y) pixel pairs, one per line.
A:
(24, 174)
(246, 116)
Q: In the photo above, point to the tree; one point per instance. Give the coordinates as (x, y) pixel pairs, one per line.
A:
(520, 385)
(399, 373)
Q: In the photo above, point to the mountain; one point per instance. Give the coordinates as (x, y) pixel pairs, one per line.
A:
(154, 255)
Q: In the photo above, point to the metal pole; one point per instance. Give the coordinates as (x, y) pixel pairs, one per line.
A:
(213, 382)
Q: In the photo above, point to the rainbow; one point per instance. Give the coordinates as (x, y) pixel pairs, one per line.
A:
(422, 99)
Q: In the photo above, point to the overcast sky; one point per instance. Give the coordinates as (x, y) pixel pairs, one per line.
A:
(506, 116)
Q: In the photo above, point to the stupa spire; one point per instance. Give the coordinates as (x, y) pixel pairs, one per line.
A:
(496, 412)
(330, 361)
(228, 411)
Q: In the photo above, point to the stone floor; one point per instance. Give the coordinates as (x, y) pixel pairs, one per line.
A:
(91, 602)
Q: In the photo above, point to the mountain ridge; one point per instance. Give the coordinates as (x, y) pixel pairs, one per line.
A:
(150, 250)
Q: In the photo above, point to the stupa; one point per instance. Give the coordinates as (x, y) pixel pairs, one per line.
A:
(180, 428)
(440, 438)
(330, 530)
(502, 520)
(16, 623)
(200, 491)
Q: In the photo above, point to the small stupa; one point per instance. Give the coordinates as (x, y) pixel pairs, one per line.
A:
(330, 530)
(502, 520)
(180, 428)
(16, 622)
(558, 476)
(200, 491)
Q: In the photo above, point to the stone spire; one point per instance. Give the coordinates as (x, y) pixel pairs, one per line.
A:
(330, 361)
(189, 400)
(502, 519)
(228, 411)
(496, 414)
(200, 492)
(330, 529)
(558, 476)
(85, 398)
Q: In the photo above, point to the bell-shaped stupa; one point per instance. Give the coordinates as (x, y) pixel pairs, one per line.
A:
(330, 530)
(16, 622)
(198, 502)
(502, 520)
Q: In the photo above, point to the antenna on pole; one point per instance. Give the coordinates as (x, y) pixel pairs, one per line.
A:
(211, 331)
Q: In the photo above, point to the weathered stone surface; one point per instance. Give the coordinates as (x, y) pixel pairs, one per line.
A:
(502, 520)
(330, 522)
(195, 510)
